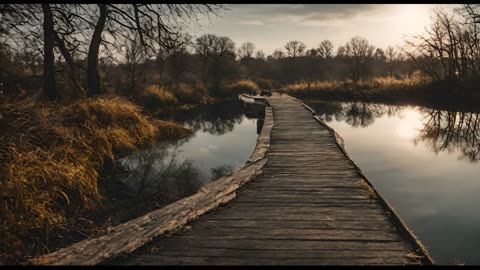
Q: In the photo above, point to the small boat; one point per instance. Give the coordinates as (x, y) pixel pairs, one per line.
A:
(249, 99)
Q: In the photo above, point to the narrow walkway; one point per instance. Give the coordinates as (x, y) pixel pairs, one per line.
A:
(310, 206)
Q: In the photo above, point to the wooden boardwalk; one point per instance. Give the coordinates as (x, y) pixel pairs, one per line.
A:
(310, 206)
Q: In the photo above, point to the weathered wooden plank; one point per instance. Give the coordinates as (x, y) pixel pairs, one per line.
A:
(298, 224)
(302, 204)
(284, 254)
(191, 260)
(311, 205)
(131, 235)
(305, 191)
(313, 216)
(318, 215)
(305, 209)
(219, 242)
(307, 234)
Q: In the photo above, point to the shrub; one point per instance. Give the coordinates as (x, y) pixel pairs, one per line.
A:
(379, 88)
(191, 94)
(155, 96)
(236, 88)
(51, 156)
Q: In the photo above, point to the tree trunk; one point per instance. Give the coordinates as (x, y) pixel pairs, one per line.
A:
(49, 84)
(80, 93)
(93, 74)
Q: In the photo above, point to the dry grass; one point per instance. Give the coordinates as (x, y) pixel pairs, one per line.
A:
(187, 94)
(375, 84)
(374, 89)
(415, 91)
(51, 156)
(236, 88)
(154, 97)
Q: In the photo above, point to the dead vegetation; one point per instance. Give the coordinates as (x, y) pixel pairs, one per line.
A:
(52, 156)
(239, 87)
(373, 89)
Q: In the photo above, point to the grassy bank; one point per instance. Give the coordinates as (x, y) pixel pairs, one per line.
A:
(57, 157)
(391, 91)
(52, 156)
(157, 98)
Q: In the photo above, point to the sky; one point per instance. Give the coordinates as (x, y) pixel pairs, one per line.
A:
(270, 26)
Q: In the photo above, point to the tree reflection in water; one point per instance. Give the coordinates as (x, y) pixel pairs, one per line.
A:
(217, 118)
(442, 130)
(357, 114)
(157, 170)
(450, 131)
(162, 171)
(220, 171)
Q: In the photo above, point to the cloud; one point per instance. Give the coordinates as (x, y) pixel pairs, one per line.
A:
(342, 12)
(303, 14)
(255, 22)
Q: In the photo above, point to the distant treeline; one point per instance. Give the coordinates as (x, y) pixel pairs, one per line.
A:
(131, 54)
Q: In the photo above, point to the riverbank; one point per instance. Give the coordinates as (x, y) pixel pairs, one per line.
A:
(61, 161)
(444, 94)
(54, 160)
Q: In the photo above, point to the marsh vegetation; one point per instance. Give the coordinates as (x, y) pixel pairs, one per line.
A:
(85, 88)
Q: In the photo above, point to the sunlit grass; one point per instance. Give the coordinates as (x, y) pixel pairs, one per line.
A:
(155, 96)
(380, 87)
(191, 94)
(51, 157)
(238, 87)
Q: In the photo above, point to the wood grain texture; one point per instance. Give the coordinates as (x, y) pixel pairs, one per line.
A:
(133, 234)
(311, 205)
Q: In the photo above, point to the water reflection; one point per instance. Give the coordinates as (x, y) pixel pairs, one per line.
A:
(450, 131)
(158, 170)
(357, 114)
(224, 137)
(441, 130)
(424, 161)
(218, 118)
(220, 171)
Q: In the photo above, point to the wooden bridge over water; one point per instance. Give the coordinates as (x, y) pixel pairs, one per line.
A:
(300, 200)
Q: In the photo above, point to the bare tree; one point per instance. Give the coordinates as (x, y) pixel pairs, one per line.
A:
(26, 25)
(212, 50)
(341, 52)
(379, 55)
(312, 53)
(446, 50)
(155, 24)
(178, 60)
(260, 55)
(49, 85)
(203, 48)
(391, 55)
(223, 45)
(134, 55)
(359, 50)
(325, 49)
(103, 25)
(472, 11)
(278, 54)
(246, 50)
(295, 48)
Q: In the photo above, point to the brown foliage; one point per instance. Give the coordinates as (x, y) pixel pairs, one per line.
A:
(51, 156)
(236, 88)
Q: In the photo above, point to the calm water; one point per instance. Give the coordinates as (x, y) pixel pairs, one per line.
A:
(425, 163)
(224, 137)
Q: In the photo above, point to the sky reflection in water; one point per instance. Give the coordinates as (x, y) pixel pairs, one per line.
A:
(224, 137)
(425, 164)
